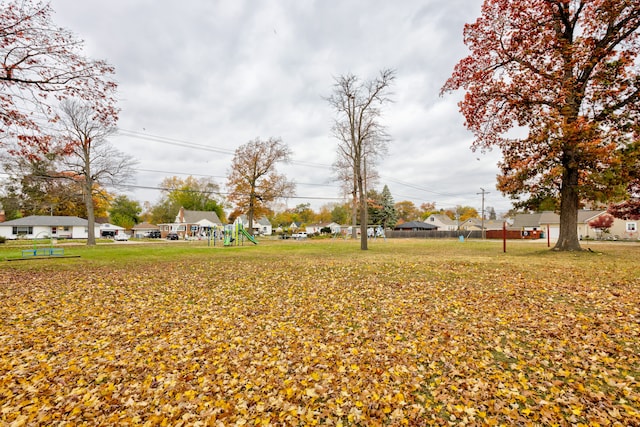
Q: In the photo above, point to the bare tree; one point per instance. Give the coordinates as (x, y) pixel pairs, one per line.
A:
(361, 137)
(88, 157)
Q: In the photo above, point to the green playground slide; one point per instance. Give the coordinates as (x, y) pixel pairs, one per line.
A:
(248, 236)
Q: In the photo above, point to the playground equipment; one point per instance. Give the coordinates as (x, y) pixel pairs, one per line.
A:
(41, 251)
(235, 234)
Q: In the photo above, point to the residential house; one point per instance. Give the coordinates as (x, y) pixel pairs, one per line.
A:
(549, 222)
(261, 226)
(442, 221)
(536, 225)
(139, 230)
(192, 224)
(293, 227)
(110, 230)
(625, 229)
(415, 226)
(473, 224)
(43, 226)
(317, 228)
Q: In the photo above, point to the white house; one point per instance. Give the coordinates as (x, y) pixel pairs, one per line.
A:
(316, 228)
(110, 230)
(261, 226)
(44, 226)
(443, 222)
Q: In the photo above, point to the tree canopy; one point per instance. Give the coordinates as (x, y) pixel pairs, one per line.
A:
(253, 182)
(566, 73)
(198, 194)
(41, 64)
(124, 212)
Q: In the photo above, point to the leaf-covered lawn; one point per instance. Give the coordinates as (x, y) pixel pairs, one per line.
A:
(410, 339)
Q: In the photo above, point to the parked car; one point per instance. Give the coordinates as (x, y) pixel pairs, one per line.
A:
(121, 237)
(299, 236)
(173, 236)
(154, 234)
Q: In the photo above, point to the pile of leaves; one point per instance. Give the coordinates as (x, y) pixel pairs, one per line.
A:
(308, 341)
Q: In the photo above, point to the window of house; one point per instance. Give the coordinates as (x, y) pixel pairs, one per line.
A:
(21, 230)
(632, 227)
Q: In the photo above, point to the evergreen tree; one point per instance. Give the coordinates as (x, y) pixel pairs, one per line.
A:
(388, 214)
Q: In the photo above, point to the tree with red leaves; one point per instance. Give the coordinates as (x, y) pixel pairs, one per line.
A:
(40, 65)
(602, 223)
(565, 72)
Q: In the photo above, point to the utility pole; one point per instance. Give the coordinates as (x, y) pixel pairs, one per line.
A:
(483, 193)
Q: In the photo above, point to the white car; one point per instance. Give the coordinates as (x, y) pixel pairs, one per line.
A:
(299, 236)
(121, 237)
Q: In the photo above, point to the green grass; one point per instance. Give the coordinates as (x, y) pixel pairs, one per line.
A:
(532, 258)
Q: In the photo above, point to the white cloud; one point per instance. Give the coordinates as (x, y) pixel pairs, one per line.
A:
(221, 73)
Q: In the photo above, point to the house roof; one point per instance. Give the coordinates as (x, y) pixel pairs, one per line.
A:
(145, 226)
(527, 220)
(193, 217)
(549, 217)
(260, 221)
(489, 224)
(323, 224)
(264, 221)
(47, 221)
(588, 215)
(415, 225)
(110, 227)
(442, 218)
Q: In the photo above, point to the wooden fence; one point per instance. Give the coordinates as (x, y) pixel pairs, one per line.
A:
(433, 234)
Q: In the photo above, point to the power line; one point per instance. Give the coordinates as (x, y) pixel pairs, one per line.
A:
(173, 141)
(203, 147)
(221, 193)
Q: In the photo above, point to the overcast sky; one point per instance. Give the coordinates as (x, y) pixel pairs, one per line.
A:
(199, 78)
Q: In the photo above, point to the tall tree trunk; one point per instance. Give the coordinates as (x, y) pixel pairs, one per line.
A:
(88, 190)
(568, 238)
(250, 213)
(354, 210)
(91, 217)
(363, 214)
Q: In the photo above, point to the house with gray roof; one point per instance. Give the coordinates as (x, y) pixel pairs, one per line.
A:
(477, 223)
(442, 221)
(261, 226)
(548, 221)
(191, 223)
(415, 226)
(317, 228)
(44, 226)
(140, 230)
